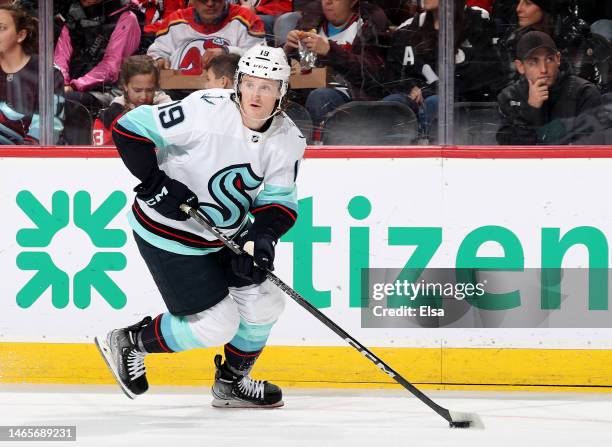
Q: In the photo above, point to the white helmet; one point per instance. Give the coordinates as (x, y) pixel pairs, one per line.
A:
(264, 62)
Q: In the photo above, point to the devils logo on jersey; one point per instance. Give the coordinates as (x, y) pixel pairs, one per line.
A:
(190, 61)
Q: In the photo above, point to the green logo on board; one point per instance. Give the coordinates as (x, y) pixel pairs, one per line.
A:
(48, 224)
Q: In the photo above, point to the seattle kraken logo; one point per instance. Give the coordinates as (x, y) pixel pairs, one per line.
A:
(228, 188)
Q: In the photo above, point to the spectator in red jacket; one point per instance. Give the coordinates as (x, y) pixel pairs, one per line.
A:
(97, 36)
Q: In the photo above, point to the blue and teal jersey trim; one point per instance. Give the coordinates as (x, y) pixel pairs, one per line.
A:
(277, 195)
(141, 121)
(251, 337)
(166, 244)
(177, 333)
(179, 337)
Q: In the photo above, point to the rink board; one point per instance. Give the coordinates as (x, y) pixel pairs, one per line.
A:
(43, 334)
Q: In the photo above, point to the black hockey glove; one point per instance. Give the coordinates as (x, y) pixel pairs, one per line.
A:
(165, 195)
(263, 255)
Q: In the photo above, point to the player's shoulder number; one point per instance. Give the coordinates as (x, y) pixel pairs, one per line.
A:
(171, 114)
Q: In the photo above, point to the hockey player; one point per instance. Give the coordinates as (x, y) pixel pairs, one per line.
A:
(227, 153)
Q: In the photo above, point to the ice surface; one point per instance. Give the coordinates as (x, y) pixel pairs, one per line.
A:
(178, 417)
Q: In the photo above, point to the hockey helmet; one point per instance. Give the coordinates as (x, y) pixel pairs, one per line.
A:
(264, 62)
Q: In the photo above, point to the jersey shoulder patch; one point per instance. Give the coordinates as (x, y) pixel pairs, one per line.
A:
(214, 96)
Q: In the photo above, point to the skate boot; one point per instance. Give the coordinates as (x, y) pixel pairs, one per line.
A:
(235, 391)
(120, 352)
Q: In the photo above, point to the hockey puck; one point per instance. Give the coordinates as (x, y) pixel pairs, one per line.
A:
(460, 424)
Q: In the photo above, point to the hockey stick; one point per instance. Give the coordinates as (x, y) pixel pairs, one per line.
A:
(455, 419)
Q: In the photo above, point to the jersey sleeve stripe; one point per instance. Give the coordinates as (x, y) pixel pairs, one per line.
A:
(284, 195)
(140, 121)
(121, 130)
(288, 211)
(175, 234)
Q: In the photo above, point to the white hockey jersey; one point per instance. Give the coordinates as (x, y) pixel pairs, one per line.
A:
(183, 40)
(232, 169)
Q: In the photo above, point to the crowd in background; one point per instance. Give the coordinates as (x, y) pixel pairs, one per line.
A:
(526, 71)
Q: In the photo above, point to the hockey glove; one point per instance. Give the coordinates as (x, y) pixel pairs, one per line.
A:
(166, 195)
(261, 246)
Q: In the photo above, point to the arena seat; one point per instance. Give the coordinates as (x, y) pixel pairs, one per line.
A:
(370, 123)
(300, 116)
(476, 123)
(283, 24)
(78, 124)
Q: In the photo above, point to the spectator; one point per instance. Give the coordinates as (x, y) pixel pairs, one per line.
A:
(19, 79)
(546, 105)
(570, 33)
(190, 38)
(346, 40)
(97, 36)
(221, 71)
(412, 60)
(139, 80)
(268, 11)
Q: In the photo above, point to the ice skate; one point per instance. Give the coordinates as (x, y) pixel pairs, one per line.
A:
(122, 356)
(234, 391)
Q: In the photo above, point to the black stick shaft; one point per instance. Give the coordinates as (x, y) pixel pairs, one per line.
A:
(202, 220)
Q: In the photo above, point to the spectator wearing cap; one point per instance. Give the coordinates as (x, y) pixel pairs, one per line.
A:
(531, 15)
(571, 34)
(546, 105)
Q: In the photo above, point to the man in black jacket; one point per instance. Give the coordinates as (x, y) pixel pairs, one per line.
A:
(547, 105)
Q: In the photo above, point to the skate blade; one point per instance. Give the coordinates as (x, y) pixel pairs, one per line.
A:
(233, 403)
(106, 355)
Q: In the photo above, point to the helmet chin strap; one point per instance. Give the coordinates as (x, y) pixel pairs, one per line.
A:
(277, 110)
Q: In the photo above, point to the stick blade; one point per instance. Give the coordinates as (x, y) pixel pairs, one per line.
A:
(465, 420)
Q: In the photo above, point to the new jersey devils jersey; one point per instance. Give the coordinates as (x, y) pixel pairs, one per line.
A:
(183, 39)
